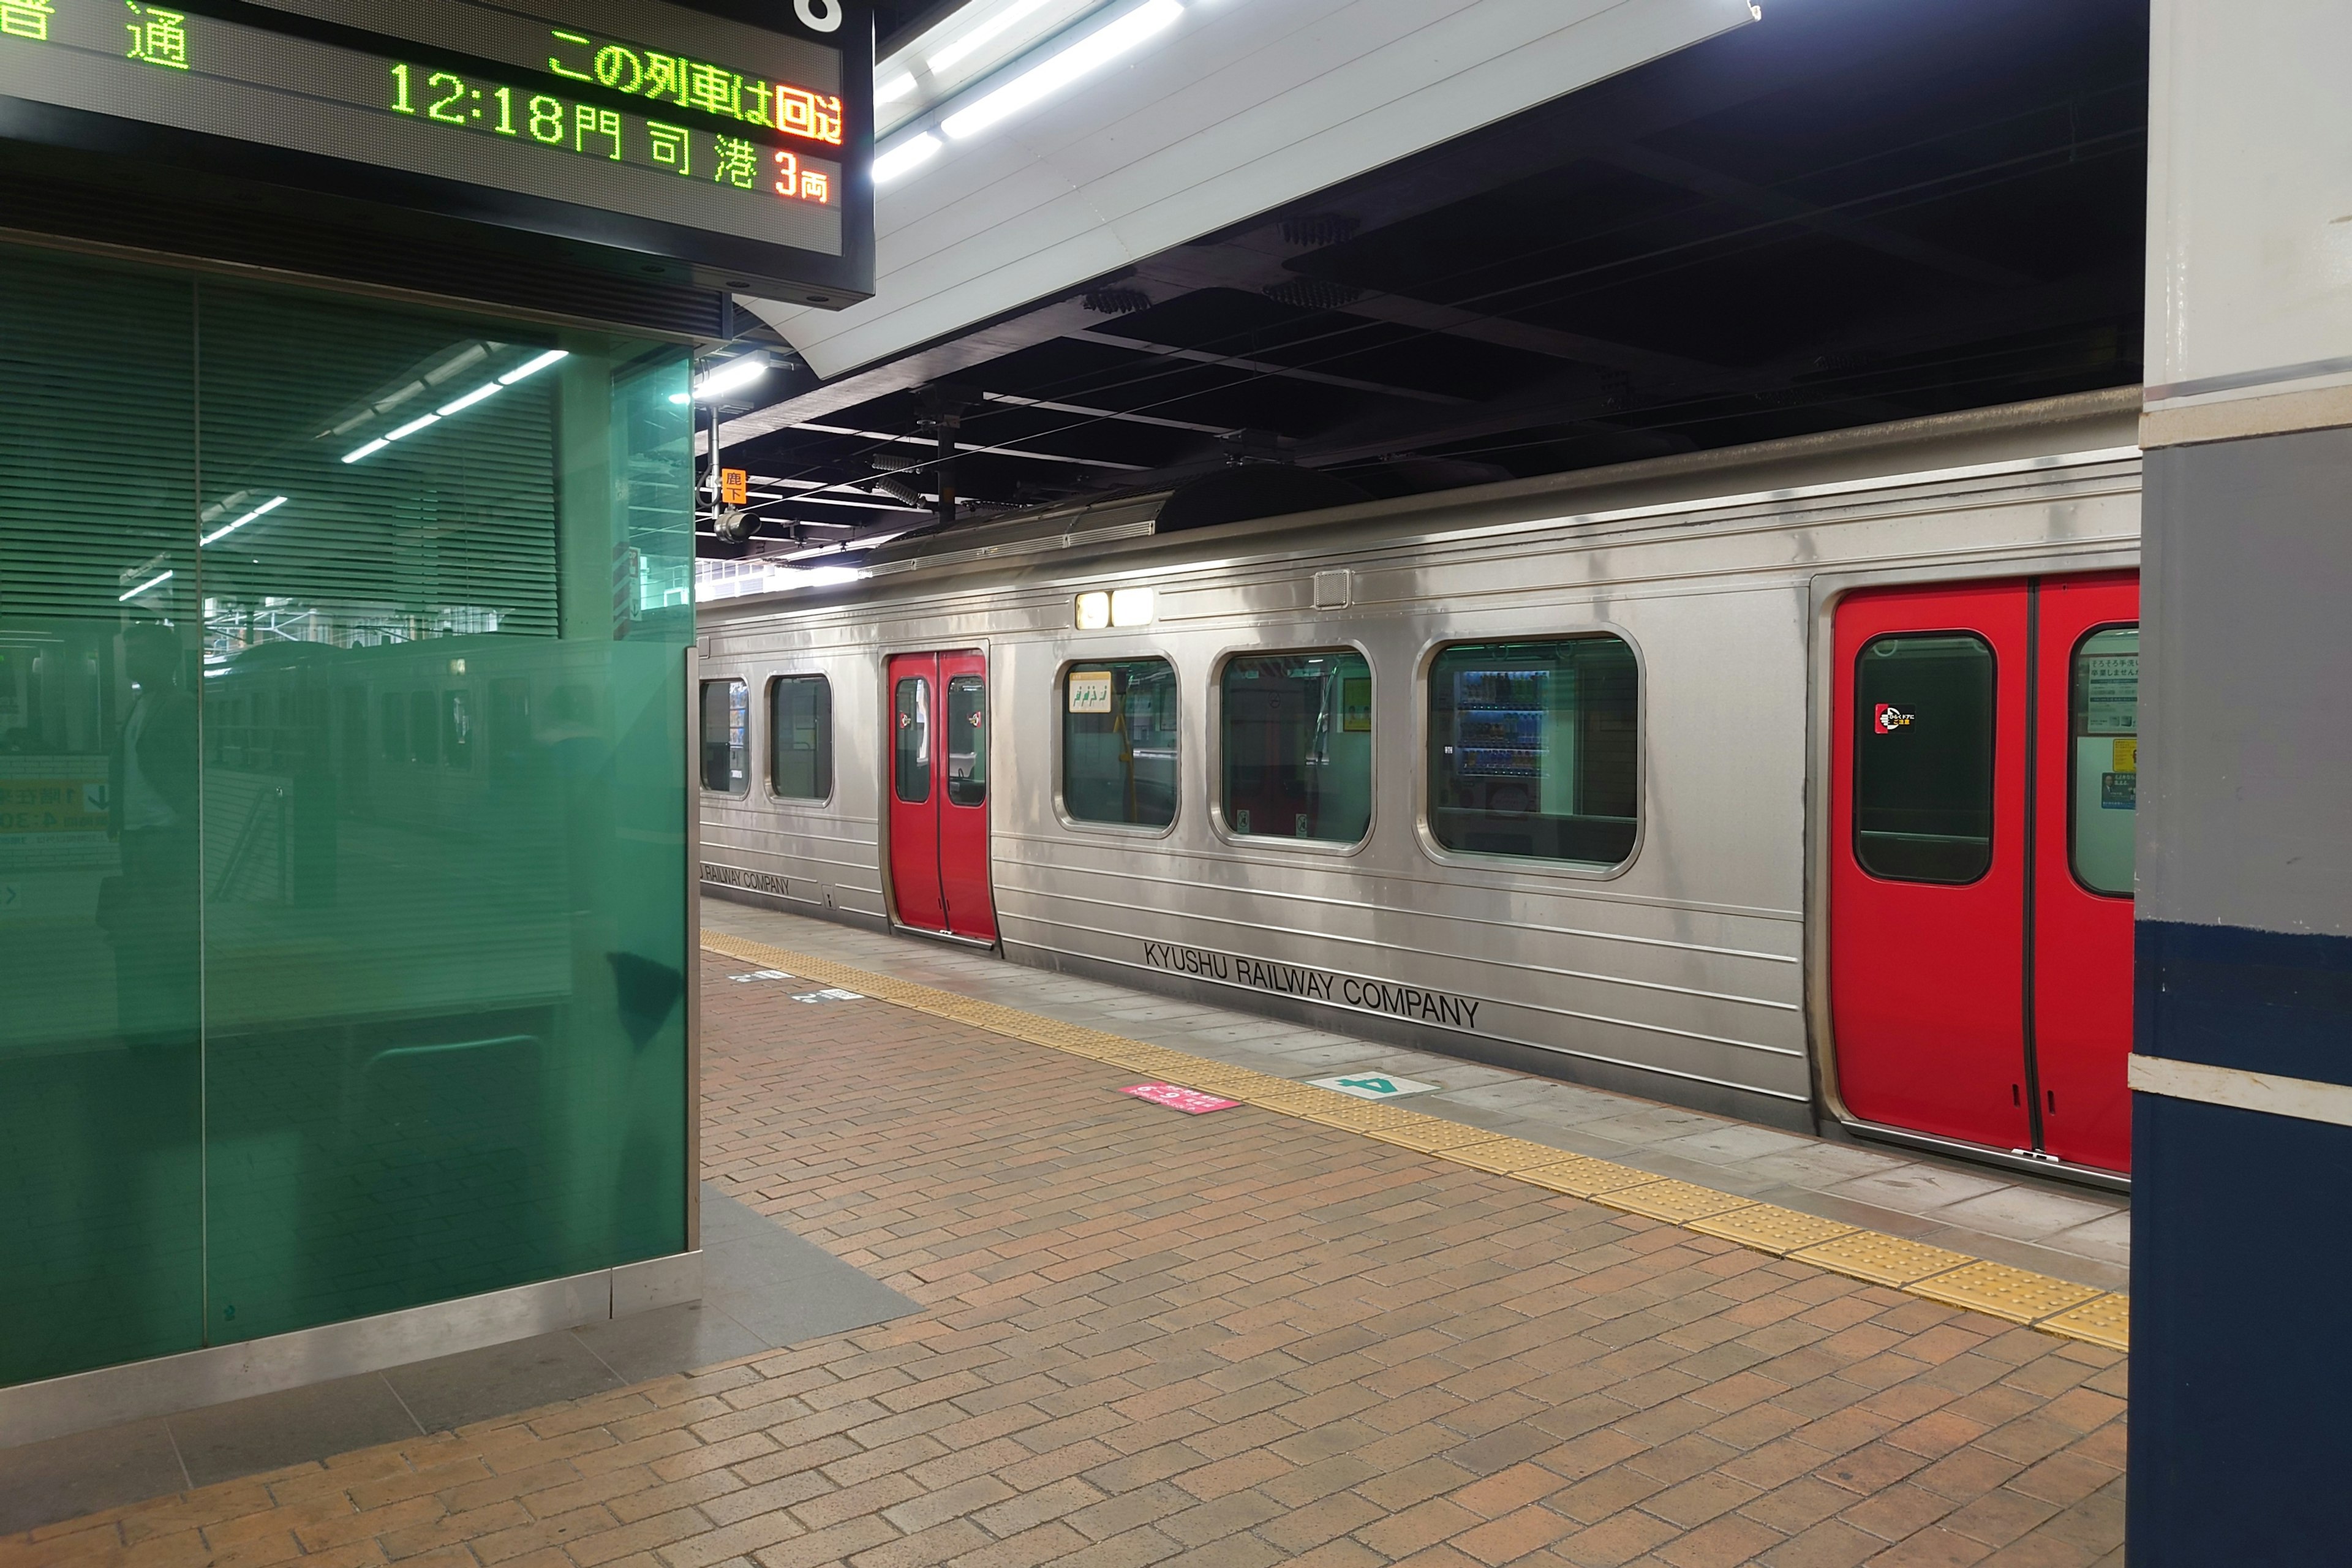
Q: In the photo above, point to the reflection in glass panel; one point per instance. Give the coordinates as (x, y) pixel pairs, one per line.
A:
(2105, 733)
(911, 709)
(101, 1217)
(1118, 742)
(1297, 745)
(1534, 748)
(967, 741)
(799, 737)
(726, 736)
(1923, 757)
(444, 1021)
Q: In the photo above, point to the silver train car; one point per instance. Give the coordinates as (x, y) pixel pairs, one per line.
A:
(1752, 781)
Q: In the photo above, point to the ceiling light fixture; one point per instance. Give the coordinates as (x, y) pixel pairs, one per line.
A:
(979, 37)
(370, 450)
(892, 91)
(264, 509)
(905, 157)
(411, 427)
(735, 375)
(533, 367)
(1087, 55)
(488, 389)
(155, 582)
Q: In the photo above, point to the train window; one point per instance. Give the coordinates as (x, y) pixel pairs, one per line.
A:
(1118, 742)
(1923, 757)
(395, 726)
(799, 737)
(1533, 749)
(1296, 732)
(910, 706)
(424, 729)
(726, 736)
(2105, 762)
(967, 740)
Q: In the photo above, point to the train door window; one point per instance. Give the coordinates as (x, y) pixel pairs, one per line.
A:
(424, 729)
(911, 705)
(1118, 742)
(967, 740)
(510, 725)
(2105, 730)
(458, 728)
(1296, 743)
(1534, 748)
(1923, 779)
(726, 736)
(393, 716)
(799, 737)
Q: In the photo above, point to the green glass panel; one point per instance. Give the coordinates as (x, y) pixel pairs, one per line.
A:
(1534, 749)
(1119, 742)
(101, 1228)
(1297, 743)
(445, 805)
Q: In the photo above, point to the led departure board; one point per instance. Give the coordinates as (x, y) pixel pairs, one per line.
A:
(619, 123)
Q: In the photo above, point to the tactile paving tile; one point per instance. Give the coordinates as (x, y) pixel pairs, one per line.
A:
(1431, 1135)
(1505, 1155)
(2102, 1321)
(1282, 1094)
(1582, 1177)
(1770, 1228)
(1360, 1116)
(2017, 1294)
(1881, 1259)
(1676, 1200)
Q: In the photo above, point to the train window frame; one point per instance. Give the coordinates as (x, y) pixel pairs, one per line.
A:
(1852, 781)
(1058, 728)
(701, 719)
(1220, 823)
(767, 717)
(2074, 763)
(1425, 831)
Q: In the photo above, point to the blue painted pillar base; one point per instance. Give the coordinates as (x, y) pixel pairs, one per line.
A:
(2242, 1262)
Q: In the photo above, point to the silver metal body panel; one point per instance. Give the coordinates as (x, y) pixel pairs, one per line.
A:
(1693, 972)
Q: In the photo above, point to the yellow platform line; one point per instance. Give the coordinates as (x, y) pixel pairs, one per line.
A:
(2054, 1306)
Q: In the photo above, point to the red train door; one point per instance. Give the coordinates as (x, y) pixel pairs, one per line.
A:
(1981, 868)
(939, 793)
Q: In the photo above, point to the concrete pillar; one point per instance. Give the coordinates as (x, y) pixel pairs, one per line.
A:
(2241, 1367)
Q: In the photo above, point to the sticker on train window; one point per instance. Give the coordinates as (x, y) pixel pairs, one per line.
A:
(1887, 717)
(1090, 691)
(2126, 754)
(1356, 705)
(2118, 792)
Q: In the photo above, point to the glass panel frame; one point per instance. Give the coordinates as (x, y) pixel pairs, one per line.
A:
(1105, 780)
(1264, 707)
(1488, 734)
(1912, 854)
(2103, 762)
(800, 738)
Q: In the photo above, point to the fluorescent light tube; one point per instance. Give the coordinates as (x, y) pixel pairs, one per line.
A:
(897, 88)
(264, 509)
(413, 426)
(905, 157)
(370, 450)
(155, 582)
(535, 366)
(980, 36)
(737, 373)
(488, 389)
(1087, 55)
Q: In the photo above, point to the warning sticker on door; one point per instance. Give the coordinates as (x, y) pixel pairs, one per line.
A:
(1887, 718)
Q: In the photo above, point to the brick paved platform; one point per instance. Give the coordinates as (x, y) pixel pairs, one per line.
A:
(1231, 1339)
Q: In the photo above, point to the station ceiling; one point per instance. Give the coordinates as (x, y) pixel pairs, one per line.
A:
(1853, 211)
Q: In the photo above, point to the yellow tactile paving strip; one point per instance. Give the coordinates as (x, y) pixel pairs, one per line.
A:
(2057, 1306)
